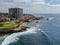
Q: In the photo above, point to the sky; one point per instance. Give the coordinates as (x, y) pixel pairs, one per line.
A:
(31, 6)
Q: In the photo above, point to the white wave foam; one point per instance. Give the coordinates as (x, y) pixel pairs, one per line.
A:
(14, 37)
(32, 29)
(51, 18)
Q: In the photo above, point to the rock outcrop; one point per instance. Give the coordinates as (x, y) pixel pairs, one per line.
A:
(22, 24)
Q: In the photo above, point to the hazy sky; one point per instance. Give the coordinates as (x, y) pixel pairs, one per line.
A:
(32, 6)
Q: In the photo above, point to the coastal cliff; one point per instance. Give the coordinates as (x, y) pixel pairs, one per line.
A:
(22, 24)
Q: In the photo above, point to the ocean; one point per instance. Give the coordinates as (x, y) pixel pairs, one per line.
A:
(44, 32)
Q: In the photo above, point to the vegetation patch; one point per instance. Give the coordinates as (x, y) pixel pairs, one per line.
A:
(7, 25)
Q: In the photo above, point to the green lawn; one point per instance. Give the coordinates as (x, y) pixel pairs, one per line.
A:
(8, 25)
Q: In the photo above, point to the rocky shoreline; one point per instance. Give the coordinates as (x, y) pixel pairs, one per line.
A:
(22, 24)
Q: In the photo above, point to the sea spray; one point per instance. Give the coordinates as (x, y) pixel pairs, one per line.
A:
(26, 38)
(2, 38)
(14, 37)
(32, 36)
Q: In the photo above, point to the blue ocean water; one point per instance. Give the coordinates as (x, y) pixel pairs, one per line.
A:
(44, 32)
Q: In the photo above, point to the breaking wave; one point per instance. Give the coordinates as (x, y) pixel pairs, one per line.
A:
(33, 36)
(51, 18)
